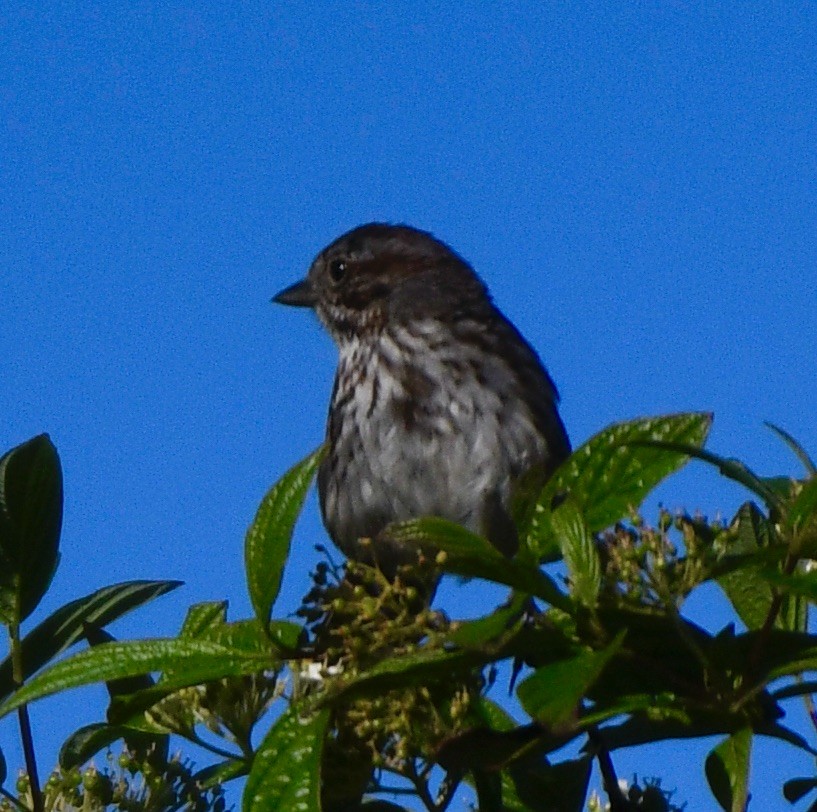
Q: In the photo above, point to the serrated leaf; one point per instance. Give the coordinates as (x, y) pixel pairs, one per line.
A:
(553, 692)
(199, 660)
(473, 556)
(30, 524)
(579, 551)
(203, 616)
(727, 771)
(286, 769)
(268, 540)
(749, 593)
(613, 472)
(65, 627)
(208, 621)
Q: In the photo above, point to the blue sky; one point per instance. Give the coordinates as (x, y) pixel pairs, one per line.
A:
(635, 182)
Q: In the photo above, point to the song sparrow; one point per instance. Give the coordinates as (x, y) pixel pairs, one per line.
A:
(439, 404)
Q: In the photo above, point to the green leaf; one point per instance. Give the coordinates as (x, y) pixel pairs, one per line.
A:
(208, 621)
(268, 540)
(476, 634)
(553, 692)
(800, 583)
(748, 591)
(202, 617)
(221, 773)
(286, 769)
(613, 472)
(30, 523)
(769, 490)
(579, 550)
(97, 636)
(415, 669)
(470, 555)
(198, 660)
(801, 516)
(798, 450)
(727, 771)
(86, 742)
(65, 627)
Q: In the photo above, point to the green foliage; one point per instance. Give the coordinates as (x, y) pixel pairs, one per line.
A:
(30, 522)
(376, 687)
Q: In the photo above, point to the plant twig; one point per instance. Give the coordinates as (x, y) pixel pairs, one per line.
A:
(11, 799)
(25, 721)
(618, 803)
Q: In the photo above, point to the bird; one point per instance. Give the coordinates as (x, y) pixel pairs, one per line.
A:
(439, 405)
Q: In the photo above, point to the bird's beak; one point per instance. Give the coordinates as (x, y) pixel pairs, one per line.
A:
(301, 294)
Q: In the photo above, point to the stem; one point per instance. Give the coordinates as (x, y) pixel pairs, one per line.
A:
(25, 722)
(618, 803)
(214, 748)
(11, 799)
(420, 786)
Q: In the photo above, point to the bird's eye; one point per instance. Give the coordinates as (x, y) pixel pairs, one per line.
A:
(337, 270)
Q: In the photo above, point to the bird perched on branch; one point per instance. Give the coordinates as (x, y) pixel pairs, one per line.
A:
(439, 404)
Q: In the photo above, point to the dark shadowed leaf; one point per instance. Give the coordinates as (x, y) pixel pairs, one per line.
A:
(727, 771)
(579, 551)
(798, 788)
(65, 627)
(542, 787)
(415, 669)
(490, 749)
(489, 790)
(286, 770)
(613, 472)
(30, 523)
(553, 692)
(267, 544)
(198, 660)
